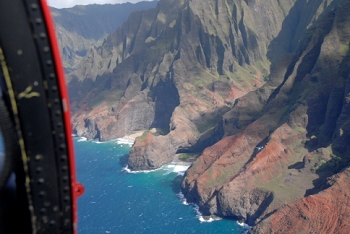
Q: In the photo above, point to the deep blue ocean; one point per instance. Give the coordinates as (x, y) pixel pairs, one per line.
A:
(116, 201)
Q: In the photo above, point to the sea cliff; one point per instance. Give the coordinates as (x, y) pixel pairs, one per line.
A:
(258, 89)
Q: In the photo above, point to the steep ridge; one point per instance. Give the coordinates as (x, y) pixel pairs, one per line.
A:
(284, 140)
(81, 27)
(177, 68)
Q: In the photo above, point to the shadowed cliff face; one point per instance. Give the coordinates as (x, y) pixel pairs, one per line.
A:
(166, 98)
(284, 140)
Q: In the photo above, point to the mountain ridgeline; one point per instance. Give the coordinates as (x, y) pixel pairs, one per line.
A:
(260, 90)
(81, 27)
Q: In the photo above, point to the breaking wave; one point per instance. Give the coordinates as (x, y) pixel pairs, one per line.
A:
(245, 227)
(199, 215)
(182, 198)
(126, 169)
(82, 139)
(169, 168)
(124, 141)
(202, 218)
(96, 141)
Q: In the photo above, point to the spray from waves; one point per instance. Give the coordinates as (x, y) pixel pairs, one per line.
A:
(182, 198)
(245, 226)
(199, 215)
(175, 168)
(203, 219)
(180, 169)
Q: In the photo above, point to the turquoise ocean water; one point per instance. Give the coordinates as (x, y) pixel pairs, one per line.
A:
(116, 201)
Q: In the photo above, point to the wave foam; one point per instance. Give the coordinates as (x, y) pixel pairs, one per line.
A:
(245, 226)
(182, 198)
(181, 169)
(199, 215)
(209, 220)
(203, 219)
(124, 141)
(82, 139)
(126, 169)
(176, 168)
(96, 141)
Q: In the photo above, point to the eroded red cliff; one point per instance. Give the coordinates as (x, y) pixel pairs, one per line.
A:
(285, 167)
(325, 212)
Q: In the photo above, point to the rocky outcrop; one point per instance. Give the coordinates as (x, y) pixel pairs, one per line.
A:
(158, 146)
(283, 142)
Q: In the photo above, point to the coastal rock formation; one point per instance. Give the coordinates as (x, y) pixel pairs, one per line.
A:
(259, 89)
(286, 149)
